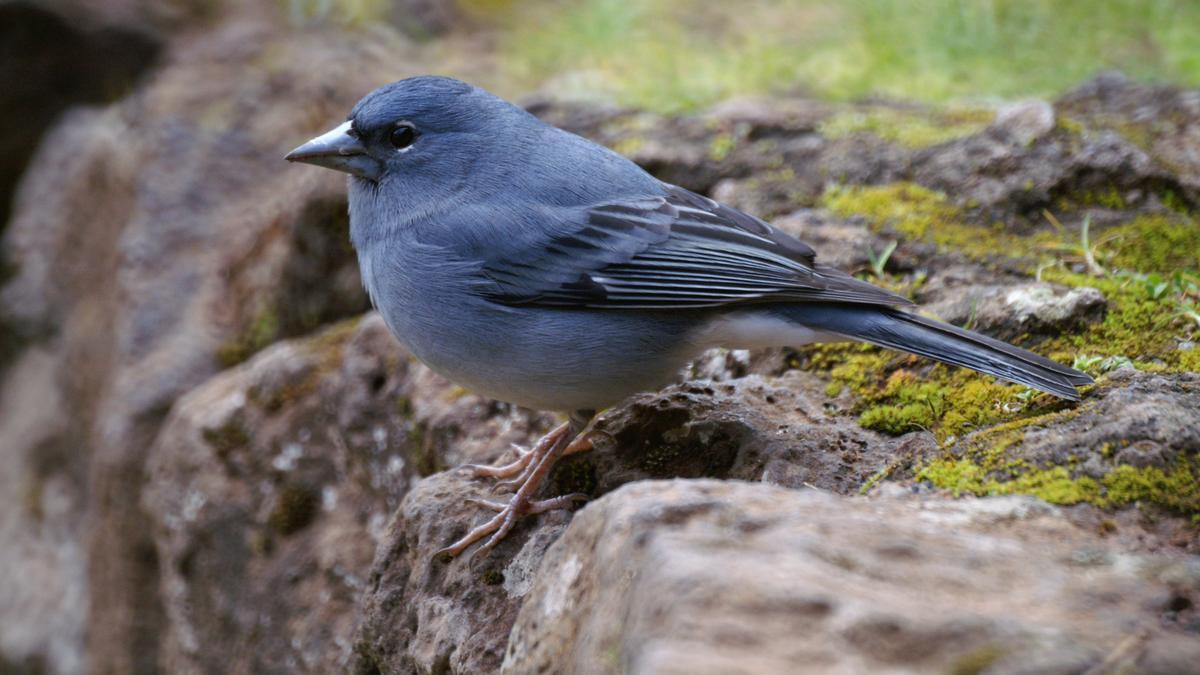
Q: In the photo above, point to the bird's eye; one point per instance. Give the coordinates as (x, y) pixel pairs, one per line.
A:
(403, 136)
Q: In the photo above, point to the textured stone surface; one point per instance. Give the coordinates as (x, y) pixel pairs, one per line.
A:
(422, 614)
(729, 577)
(271, 486)
(148, 238)
(1138, 419)
(1164, 119)
(1007, 307)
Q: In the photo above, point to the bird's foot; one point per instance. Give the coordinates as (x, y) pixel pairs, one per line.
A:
(525, 458)
(505, 519)
(541, 459)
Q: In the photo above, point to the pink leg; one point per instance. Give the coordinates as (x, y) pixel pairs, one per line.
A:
(522, 502)
(524, 459)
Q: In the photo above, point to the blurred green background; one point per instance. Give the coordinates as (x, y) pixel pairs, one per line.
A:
(677, 55)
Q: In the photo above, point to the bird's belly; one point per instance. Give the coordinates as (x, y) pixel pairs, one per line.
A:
(548, 359)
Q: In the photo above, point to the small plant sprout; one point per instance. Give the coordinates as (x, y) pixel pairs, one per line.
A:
(1101, 364)
(878, 261)
(1086, 251)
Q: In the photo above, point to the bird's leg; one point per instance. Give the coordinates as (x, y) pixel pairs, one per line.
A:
(524, 459)
(564, 440)
(580, 445)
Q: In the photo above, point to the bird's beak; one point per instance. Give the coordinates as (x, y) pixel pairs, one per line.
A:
(338, 150)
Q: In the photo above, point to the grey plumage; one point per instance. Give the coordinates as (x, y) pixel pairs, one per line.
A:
(539, 268)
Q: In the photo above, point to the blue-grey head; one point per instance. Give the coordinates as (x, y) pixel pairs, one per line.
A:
(419, 140)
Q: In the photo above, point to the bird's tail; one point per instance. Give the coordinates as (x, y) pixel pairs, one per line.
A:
(906, 332)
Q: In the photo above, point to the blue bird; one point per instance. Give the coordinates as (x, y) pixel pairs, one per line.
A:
(536, 267)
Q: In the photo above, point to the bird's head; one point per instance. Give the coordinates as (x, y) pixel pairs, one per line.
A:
(420, 139)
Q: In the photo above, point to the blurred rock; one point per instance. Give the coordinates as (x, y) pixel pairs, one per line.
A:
(1164, 120)
(271, 485)
(728, 577)
(1025, 121)
(995, 173)
(150, 238)
(772, 159)
(48, 62)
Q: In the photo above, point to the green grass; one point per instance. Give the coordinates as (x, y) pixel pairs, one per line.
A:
(676, 55)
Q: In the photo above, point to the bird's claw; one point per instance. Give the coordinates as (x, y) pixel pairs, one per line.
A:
(505, 519)
(530, 469)
(504, 470)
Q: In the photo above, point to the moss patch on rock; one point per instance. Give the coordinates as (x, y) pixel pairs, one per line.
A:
(910, 128)
(262, 330)
(897, 393)
(1145, 329)
(1156, 243)
(1150, 262)
(1176, 488)
(917, 213)
(1151, 299)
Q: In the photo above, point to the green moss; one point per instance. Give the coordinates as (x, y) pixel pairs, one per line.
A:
(629, 145)
(920, 214)
(1158, 243)
(329, 344)
(1176, 489)
(262, 331)
(977, 660)
(1069, 125)
(656, 459)
(1145, 323)
(721, 145)
(898, 418)
(1108, 198)
(984, 466)
(1136, 326)
(1188, 359)
(575, 474)
(327, 347)
(426, 458)
(910, 128)
(897, 393)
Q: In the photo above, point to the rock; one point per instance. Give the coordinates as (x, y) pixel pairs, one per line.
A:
(49, 62)
(43, 589)
(728, 577)
(841, 244)
(286, 515)
(999, 176)
(272, 484)
(1136, 419)
(1025, 121)
(776, 430)
(1164, 120)
(771, 117)
(422, 615)
(151, 239)
(1008, 308)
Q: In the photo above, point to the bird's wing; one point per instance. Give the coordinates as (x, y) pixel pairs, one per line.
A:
(678, 250)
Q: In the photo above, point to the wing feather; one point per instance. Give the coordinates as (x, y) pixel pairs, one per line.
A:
(678, 250)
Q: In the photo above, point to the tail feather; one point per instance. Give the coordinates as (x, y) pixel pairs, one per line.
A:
(903, 331)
